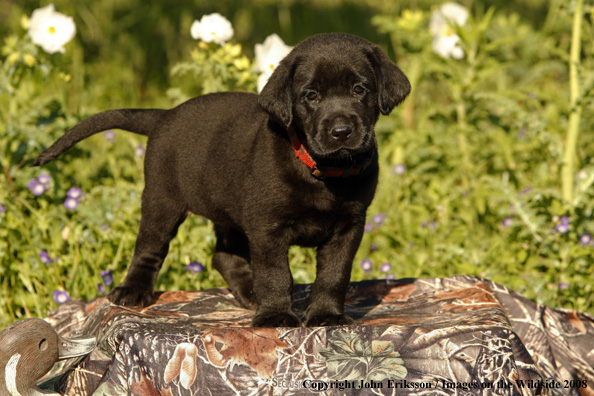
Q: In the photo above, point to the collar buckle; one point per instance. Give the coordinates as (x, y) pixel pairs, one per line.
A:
(318, 173)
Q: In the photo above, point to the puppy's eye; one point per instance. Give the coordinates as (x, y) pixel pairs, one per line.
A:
(312, 96)
(358, 90)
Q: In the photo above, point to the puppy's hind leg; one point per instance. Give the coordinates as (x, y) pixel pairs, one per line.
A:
(232, 260)
(160, 219)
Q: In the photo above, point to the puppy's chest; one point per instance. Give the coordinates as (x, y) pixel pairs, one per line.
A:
(309, 231)
(311, 225)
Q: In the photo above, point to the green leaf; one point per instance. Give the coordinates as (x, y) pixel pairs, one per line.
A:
(349, 369)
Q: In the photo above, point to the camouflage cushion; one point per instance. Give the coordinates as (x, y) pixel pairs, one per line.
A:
(453, 336)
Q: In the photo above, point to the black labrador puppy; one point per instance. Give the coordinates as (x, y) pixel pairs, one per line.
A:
(296, 165)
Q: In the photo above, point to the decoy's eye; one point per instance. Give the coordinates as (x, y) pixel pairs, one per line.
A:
(43, 344)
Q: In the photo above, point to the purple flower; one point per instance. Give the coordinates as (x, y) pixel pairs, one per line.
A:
(432, 225)
(2, 208)
(101, 288)
(563, 285)
(73, 198)
(400, 169)
(368, 227)
(586, 239)
(372, 247)
(61, 296)
(139, 151)
(386, 267)
(74, 192)
(71, 203)
(563, 226)
(36, 187)
(107, 277)
(45, 258)
(44, 178)
(378, 219)
(39, 185)
(366, 265)
(507, 222)
(110, 135)
(195, 266)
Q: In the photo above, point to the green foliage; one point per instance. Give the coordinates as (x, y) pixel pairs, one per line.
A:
(482, 139)
(471, 161)
(351, 358)
(212, 68)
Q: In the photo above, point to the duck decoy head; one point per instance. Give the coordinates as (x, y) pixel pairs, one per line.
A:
(28, 350)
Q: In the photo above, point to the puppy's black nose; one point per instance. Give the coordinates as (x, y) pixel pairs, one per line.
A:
(342, 132)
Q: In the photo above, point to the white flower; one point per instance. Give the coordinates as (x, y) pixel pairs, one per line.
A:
(51, 30)
(445, 40)
(447, 46)
(448, 14)
(213, 28)
(268, 56)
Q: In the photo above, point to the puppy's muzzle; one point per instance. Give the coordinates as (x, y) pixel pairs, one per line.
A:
(342, 133)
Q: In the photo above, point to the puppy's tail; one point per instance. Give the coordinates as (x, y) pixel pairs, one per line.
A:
(140, 121)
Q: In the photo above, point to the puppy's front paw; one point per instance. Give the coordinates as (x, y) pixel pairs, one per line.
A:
(131, 296)
(328, 320)
(276, 319)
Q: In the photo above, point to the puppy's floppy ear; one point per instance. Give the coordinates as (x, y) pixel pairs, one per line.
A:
(277, 96)
(393, 86)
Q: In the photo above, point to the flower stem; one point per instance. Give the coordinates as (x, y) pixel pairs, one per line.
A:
(463, 144)
(575, 108)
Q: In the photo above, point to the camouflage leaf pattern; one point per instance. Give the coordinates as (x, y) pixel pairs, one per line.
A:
(438, 331)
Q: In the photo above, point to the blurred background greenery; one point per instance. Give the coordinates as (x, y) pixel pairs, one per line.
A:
(471, 162)
(145, 39)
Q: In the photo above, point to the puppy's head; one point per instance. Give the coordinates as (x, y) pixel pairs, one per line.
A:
(332, 87)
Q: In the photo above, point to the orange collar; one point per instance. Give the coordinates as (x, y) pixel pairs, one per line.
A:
(322, 172)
